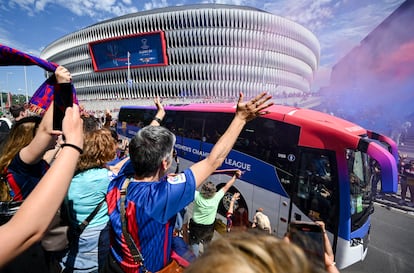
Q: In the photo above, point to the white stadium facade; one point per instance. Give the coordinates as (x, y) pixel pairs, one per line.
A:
(203, 53)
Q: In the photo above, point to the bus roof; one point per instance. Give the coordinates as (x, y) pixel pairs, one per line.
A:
(290, 114)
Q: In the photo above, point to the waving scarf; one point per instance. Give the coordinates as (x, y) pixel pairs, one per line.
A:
(43, 96)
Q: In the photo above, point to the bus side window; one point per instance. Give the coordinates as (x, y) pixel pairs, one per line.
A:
(215, 126)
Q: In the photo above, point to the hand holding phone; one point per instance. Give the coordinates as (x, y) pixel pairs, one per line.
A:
(310, 237)
(63, 98)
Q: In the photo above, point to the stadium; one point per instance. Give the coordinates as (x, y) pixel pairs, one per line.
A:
(197, 53)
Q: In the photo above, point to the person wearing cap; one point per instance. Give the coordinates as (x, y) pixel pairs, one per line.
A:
(261, 221)
(18, 111)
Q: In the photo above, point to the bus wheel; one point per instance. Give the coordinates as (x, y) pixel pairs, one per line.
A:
(225, 202)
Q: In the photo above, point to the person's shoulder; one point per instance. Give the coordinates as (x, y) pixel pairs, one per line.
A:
(94, 174)
(220, 193)
(16, 163)
(114, 161)
(177, 178)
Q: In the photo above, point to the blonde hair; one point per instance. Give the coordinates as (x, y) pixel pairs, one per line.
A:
(247, 252)
(21, 134)
(98, 149)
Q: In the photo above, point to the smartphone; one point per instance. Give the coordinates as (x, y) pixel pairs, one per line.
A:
(62, 99)
(309, 236)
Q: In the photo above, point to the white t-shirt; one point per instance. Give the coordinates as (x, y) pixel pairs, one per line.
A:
(262, 221)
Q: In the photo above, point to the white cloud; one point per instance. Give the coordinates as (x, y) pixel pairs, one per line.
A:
(7, 36)
(338, 25)
(94, 8)
(154, 4)
(349, 27)
(227, 2)
(308, 13)
(6, 39)
(41, 4)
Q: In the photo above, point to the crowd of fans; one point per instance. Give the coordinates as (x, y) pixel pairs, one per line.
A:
(120, 202)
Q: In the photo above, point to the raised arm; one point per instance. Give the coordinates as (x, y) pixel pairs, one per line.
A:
(34, 216)
(329, 256)
(45, 138)
(244, 113)
(235, 197)
(229, 214)
(159, 116)
(230, 183)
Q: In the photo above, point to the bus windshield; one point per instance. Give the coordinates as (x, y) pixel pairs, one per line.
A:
(360, 187)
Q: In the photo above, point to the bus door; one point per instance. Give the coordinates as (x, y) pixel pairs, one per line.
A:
(315, 192)
(271, 202)
(272, 144)
(285, 166)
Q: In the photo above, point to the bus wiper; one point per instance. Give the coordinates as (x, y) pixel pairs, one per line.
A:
(283, 171)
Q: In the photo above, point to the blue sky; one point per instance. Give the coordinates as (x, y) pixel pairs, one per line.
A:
(30, 25)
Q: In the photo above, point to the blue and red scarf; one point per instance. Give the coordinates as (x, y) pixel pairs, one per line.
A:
(43, 96)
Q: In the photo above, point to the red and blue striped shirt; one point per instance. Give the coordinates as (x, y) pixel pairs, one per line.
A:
(151, 208)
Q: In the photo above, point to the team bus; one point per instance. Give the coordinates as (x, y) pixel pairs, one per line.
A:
(298, 164)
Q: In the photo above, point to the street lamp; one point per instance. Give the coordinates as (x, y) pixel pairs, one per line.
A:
(25, 84)
(1, 90)
(19, 94)
(25, 81)
(7, 88)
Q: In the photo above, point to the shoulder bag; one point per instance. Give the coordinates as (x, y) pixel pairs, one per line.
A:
(59, 232)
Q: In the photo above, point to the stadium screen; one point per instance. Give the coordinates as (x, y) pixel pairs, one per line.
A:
(146, 49)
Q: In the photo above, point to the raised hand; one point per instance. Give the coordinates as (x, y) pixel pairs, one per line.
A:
(62, 75)
(253, 108)
(238, 173)
(160, 108)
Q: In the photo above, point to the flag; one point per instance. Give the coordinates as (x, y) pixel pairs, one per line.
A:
(11, 56)
(43, 96)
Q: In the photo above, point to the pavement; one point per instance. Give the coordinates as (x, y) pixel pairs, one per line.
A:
(390, 201)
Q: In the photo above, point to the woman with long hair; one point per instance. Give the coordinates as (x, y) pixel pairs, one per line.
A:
(33, 218)
(88, 248)
(21, 160)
